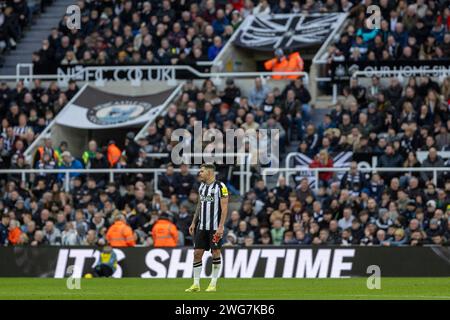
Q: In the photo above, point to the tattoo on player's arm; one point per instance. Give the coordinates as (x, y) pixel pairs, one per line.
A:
(197, 213)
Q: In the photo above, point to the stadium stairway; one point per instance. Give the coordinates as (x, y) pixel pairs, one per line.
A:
(32, 41)
(316, 118)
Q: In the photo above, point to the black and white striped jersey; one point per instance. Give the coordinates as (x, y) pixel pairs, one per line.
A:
(210, 209)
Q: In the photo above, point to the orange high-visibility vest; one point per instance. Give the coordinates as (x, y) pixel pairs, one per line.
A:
(292, 63)
(275, 65)
(295, 64)
(165, 234)
(55, 154)
(120, 235)
(113, 154)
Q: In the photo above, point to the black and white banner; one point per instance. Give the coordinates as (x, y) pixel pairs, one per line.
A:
(258, 261)
(96, 109)
(287, 31)
(302, 163)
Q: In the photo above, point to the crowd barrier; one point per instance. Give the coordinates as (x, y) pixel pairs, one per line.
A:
(244, 176)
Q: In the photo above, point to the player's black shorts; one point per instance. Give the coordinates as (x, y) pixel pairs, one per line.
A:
(203, 239)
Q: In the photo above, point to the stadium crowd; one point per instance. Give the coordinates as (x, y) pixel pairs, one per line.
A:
(363, 209)
(409, 30)
(141, 32)
(16, 17)
(25, 113)
(388, 122)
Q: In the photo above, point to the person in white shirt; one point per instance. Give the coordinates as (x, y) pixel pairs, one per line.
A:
(346, 221)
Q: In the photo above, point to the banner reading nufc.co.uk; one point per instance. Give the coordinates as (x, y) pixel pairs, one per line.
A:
(265, 262)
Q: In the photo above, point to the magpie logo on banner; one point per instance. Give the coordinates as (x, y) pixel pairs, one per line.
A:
(287, 31)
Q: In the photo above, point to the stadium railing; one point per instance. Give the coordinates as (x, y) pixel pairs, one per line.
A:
(287, 172)
(135, 74)
(112, 172)
(315, 171)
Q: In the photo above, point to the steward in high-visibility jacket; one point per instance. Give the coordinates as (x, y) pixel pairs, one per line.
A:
(46, 148)
(113, 153)
(164, 232)
(107, 264)
(281, 62)
(120, 234)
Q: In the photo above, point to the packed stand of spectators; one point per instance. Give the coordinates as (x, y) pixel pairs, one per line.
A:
(388, 122)
(375, 214)
(16, 16)
(40, 211)
(141, 32)
(154, 32)
(409, 31)
(24, 114)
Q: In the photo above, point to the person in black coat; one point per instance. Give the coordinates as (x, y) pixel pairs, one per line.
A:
(4, 224)
(184, 182)
(99, 162)
(131, 148)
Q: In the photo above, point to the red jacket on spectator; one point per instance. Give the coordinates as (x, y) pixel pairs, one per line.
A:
(325, 176)
(237, 4)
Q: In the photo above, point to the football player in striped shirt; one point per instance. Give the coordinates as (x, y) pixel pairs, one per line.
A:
(208, 223)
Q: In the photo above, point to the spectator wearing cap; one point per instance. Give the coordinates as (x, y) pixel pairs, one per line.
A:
(431, 207)
(231, 92)
(69, 162)
(410, 211)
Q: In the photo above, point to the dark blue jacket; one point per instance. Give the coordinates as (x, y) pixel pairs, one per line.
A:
(3, 234)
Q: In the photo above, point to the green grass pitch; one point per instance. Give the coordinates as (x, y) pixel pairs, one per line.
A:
(239, 289)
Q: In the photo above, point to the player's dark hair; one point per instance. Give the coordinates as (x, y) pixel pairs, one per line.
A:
(209, 166)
